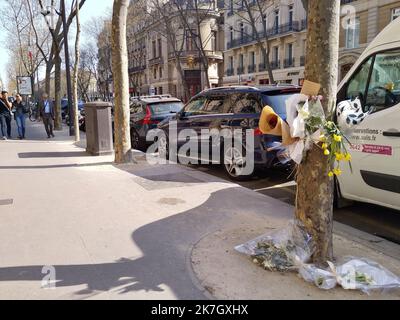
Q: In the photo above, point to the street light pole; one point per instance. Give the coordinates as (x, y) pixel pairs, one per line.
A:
(67, 69)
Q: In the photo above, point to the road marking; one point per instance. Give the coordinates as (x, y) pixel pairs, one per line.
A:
(279, 186)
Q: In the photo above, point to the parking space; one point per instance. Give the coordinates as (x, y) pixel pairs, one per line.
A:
(376, 220)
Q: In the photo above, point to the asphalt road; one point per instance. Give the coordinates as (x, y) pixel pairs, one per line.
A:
(376, 220)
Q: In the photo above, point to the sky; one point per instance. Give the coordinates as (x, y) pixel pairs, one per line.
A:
(91, 8)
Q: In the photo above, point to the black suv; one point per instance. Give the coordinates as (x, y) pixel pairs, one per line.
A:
(233, 108)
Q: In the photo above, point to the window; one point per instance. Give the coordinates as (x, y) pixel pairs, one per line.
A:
(154, 49)
(159, 48)
(358, 84)
(241, 61)
(155, 73)
(384, 87)
(276, 21)
(231, 63)
(231, 34)
(353, 34)
(252, 58)
(160, 90)
(216, 105)
(241, 31)
(276, 54)
(289, 51)
(291, 16)
(245, 103)
(214, 41)
(195, 107)
(395, 13)
(161, 72)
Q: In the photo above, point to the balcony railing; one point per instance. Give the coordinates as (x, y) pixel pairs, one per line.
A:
(154, 61)
(230, 72)
(240, 70)
(137, 69)
(289, 63)
(295, 26)
(251, 68)
(273, 64)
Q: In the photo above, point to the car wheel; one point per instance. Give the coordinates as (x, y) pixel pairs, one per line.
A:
(234, 163)
(163, 147)
(135, 141)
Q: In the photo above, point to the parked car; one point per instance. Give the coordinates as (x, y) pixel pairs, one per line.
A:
(147, 112)
(64, 106)
(375, 142)
(233, 108)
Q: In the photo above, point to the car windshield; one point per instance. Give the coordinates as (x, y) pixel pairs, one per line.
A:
(277, 102)
(166, 107)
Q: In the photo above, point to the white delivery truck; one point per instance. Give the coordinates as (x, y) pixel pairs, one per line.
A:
(375, 142)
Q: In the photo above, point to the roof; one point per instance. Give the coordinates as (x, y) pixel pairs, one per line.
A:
(155, 99)
(391, 34)
(266, 88)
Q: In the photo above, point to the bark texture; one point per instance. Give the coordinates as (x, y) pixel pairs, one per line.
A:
(123, 152)
(314, 203)
(75, 75)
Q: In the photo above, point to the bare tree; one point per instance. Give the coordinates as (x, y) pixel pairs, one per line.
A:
(314, 204)
(168, 24)
(255, 13)
(75, 73)
(29, 50)
(54, 60)
(193, 14)
(123, 152)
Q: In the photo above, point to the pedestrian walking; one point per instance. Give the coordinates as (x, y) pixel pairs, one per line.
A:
(20, 111)
(46, 108)
(5, 116)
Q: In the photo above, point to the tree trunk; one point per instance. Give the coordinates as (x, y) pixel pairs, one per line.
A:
(49, 67)
(57, 94)
(75, 75)
(123, 152)
(314, 203)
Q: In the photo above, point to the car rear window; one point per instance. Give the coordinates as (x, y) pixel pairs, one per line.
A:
(277, 102)
(166, 107)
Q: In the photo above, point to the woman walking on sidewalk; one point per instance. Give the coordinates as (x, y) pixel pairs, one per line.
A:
(19, 109)
(5, 116)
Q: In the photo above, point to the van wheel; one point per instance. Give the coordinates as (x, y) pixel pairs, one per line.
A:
(338, 201)
(234, 164)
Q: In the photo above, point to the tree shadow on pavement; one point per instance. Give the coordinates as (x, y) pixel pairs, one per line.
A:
(166, 246)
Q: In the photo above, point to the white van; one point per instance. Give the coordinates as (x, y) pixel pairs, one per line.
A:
(375, 142)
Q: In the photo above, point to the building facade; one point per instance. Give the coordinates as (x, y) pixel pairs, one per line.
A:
(104, 69)
(157, 66)
(361, 22)
(286, 25)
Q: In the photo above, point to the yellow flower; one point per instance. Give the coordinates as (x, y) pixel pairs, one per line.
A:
(326, 152)
(337, 172)
(330, 174)
(324, 146)
(322, 138)
(347, 157)
(337, 138)
(339, 156)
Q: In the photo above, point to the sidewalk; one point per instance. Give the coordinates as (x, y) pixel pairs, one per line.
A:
(137, 231)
